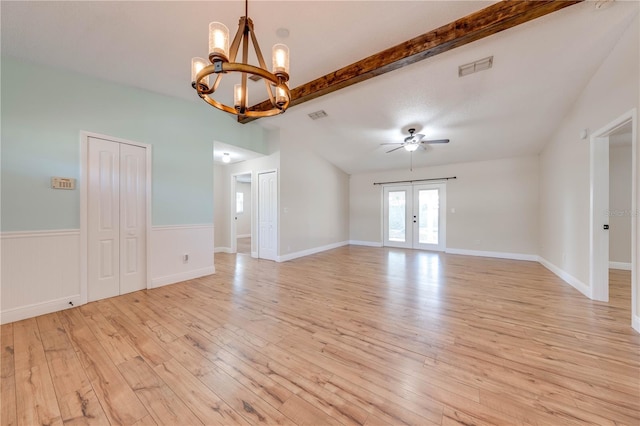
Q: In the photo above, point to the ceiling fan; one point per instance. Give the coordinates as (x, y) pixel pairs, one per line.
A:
(413, 142)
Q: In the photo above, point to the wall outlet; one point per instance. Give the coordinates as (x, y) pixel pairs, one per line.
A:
(185, 258)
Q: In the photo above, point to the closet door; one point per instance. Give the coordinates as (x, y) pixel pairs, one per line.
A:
(104, 219)
(133, 213)
(117, 200)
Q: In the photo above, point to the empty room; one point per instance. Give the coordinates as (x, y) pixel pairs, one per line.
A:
(320, 212)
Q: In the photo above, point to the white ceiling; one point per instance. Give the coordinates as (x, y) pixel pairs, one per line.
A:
(539, 67)
(236, 153)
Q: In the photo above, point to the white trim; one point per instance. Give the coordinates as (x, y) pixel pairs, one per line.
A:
(625, 266)
(566, 277)
(365, 243)
(254, 254)
(309, 252)
(44, 233)
(176, 227)
(243, 236)
(84, 206)
(184, 276)
(494, 254)
(222, 250)
(36, 309)
(598, 253)
(635, 323)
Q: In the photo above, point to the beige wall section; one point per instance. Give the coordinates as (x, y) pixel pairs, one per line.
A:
(564, 162)
(221, 206)
(495, 204)
(243, 221)
(314, 199)
(620, 203)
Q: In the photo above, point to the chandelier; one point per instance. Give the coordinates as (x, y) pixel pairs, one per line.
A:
(207, 74)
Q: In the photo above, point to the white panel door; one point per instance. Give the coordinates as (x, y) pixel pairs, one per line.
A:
(104, 219)
(117, 200)
(133, 214)
(268, 215)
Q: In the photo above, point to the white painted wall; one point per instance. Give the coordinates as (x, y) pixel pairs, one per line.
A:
(620, 203)
(314, 200)
(495, 204)
(243, 221)
(221, 215)
(564, 162)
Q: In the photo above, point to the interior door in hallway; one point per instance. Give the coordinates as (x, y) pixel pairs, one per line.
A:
(414, 216)
(268, 215)
(117, 198)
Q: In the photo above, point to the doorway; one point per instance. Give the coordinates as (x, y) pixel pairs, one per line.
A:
(241, 213)
(602, 217)
(115, 204)
(414, 216)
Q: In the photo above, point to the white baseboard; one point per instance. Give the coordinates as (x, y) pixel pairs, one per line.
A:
(620, 265)
(183, 276)
(243, 236)
(365, 243)
(635, 323)
(309, 252)
(222, 250)
(495, 254)
(37, 309)
(254, 254)
(566, 277)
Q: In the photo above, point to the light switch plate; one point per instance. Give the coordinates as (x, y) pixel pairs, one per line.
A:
(63, 183)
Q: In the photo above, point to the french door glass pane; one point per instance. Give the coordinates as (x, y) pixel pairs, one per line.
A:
(397, 216)
(428, 216)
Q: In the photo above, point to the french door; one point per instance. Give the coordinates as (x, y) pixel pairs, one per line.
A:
(414, 216)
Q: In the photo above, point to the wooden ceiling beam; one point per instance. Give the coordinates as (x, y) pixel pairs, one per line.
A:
(483, 23)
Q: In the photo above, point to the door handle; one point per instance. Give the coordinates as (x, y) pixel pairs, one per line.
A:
(605, 227)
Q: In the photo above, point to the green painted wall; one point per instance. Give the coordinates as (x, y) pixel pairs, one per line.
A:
(43, 112)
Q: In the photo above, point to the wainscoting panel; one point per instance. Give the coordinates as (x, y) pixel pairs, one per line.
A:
(169, 245)
(40, 272)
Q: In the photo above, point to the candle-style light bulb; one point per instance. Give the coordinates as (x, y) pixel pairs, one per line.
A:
(218, 41)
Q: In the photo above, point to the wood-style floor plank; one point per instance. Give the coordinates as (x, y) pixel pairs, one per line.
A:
(355, 335)
(76, 397)
(35, 394)
(7, 377)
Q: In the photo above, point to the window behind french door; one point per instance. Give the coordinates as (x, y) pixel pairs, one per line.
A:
(414, 216)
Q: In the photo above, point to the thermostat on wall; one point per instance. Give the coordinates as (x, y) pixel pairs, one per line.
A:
(63, 183)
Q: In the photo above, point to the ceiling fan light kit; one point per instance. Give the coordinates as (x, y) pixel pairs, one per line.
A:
(206, 74)
(413, 142)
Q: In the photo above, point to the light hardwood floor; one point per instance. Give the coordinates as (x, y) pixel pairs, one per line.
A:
(351, 336)
(243, 245)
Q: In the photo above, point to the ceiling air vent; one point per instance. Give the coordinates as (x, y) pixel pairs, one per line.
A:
(480, 65)
(318, 114)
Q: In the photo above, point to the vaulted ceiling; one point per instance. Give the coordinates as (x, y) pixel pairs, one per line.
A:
(512, 109)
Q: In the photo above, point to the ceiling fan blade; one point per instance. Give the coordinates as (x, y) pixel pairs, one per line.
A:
(436, 141)
(418, 137)
(395, 149)
(392, 143)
